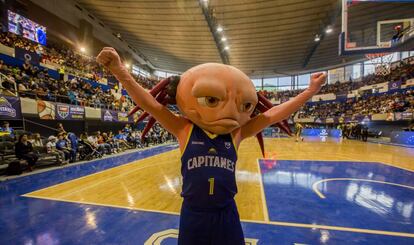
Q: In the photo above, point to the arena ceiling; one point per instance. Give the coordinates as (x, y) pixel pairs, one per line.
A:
(265, 37)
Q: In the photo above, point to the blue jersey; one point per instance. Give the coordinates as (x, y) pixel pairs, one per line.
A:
(60, 144)
(208, 166)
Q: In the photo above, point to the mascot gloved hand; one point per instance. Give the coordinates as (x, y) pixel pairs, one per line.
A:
(219, 108)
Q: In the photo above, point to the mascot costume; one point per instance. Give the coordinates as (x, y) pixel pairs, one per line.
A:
(219, 108)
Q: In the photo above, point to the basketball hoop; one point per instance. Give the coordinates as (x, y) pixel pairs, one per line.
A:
(375, 55)
(381, 61)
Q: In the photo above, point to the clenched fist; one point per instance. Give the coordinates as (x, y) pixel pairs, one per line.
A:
(316, 82)
(109, 58)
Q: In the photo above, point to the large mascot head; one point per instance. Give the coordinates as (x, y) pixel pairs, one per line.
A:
(217, 98)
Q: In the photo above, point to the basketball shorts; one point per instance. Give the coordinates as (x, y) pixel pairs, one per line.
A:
(210, 227)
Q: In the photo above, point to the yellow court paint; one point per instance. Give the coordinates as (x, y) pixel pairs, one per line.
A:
(154, 184)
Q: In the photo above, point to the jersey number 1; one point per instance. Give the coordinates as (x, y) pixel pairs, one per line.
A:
(211, 191)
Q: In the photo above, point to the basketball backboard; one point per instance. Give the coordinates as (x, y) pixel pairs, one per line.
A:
(376, 26)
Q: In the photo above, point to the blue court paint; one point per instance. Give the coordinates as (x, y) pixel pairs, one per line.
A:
(402, 138)
(37, 221)
(348, 203)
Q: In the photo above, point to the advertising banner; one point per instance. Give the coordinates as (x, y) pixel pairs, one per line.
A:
(24, 55)
(10, 108)
(70, 112)
(322, 132)
(109, 116)
(46, 110)
(394, 85)
(115, 116)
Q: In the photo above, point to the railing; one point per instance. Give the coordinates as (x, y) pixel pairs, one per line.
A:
(25, 121)
(65, 100)
(55, 98)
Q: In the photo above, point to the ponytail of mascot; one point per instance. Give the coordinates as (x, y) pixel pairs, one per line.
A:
(219, 108)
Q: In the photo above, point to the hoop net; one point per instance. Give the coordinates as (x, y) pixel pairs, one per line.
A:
(381, 61)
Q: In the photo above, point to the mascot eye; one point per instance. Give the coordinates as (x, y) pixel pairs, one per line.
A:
(208, 101)
(247, 107)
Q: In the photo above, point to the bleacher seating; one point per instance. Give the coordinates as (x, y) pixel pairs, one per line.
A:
(347, 99)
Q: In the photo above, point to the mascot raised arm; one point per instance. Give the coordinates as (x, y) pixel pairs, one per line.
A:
(219, 108)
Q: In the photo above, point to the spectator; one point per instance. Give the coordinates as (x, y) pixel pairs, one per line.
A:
(24, 150)
(60, 128)
(108, 139)
(51, 149)
(121, 139)
(62, 145)
(127, 128)
(37, 141)
(93, 141)
(6, 128)
(27, 68)
(61, 71)
(102, 144)
(73, 141)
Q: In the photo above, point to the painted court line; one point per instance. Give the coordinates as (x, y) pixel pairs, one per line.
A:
(100, 204)
(264, 203)
(57, 168)
(336, 228)
(313, 160)
(100, 172)
(275, 223)
(316, 190)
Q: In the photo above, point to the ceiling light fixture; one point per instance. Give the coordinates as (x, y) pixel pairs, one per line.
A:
(219, 29)
(223, 39)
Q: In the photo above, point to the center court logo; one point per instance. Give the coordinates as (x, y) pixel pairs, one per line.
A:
(158, 238)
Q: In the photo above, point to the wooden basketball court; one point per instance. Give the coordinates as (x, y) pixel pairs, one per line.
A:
(285, 190)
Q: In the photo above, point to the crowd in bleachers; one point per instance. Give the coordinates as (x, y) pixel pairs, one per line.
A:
(403, 71)
(28, 149)
(57, 53)
(18, 147)
(66, 147)
(35, 82)
(365, 103)
(369, 105)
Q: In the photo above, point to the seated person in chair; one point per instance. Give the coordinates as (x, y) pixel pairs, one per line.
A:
(51, 149)
(24, 151)
(8, 130)
(63, 145)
